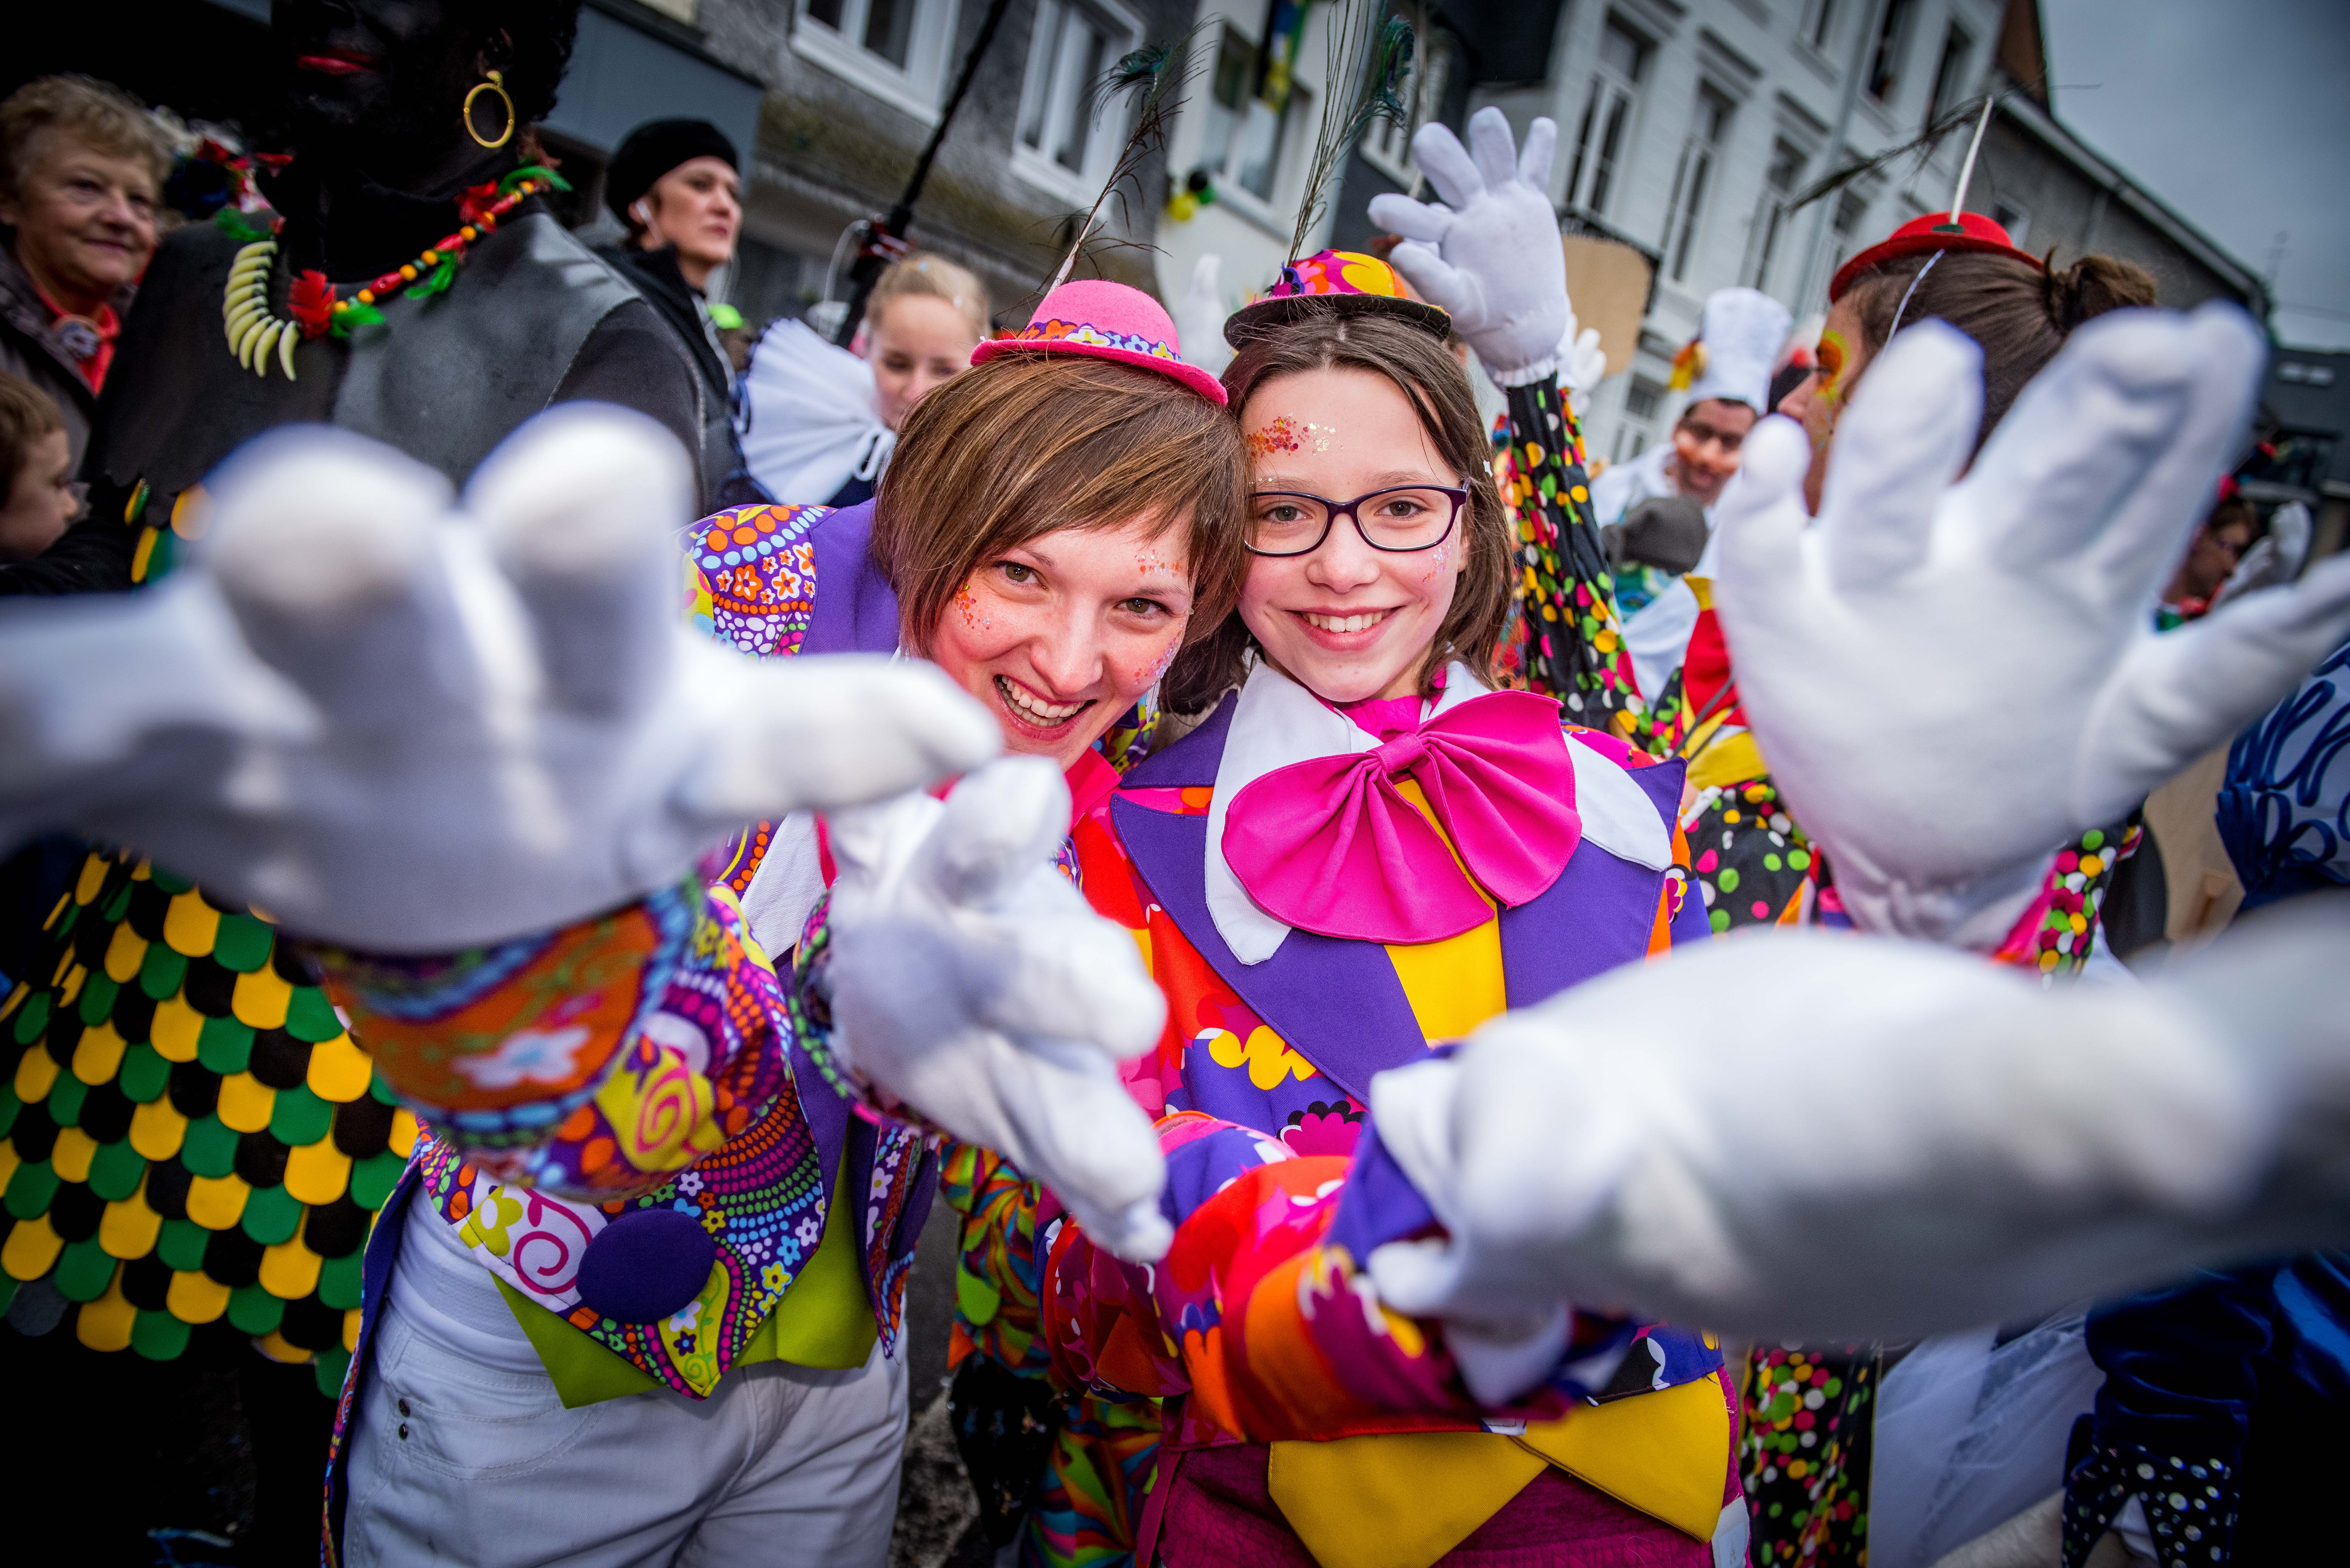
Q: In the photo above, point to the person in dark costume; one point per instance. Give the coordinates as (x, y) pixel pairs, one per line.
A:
(194, 1143)
(677, 186)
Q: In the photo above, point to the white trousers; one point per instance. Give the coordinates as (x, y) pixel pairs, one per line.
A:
(454, 1462)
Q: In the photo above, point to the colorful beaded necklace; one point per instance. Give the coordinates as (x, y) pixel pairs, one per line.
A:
(258, 336)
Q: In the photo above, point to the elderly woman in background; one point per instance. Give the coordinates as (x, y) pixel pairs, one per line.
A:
(80, 166)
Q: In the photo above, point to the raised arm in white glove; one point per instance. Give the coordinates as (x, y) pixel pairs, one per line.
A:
(409, 724)
(1488, 254)
(1999, 1148)
(1582, 363)
(970, 980)
(1954, 677)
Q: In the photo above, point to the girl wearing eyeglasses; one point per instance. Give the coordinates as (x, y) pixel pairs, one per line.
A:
(1365, 850)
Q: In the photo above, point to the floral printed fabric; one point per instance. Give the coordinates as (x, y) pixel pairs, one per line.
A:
(636, 1061)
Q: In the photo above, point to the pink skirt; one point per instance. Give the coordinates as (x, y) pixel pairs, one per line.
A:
(1221, 1512)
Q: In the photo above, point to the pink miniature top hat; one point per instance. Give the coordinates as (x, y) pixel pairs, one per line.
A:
(1109, 321)
(1339, 283)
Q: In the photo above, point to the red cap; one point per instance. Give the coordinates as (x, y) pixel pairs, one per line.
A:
(1922, 236)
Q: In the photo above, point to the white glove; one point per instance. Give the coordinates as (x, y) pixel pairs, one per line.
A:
(1997, 1148)
(970, 980)
(1953, 680)
(413, 729)
(1582, 364)
(1491, 258)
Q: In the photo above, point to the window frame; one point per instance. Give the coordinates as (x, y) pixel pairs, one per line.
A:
(1771, 220)
(1122, 32)
(1386, 145)
(1889, 56)
(914, 89)
(1620, 93)
(1701, 151)
(1264, 210)
(1949, 71)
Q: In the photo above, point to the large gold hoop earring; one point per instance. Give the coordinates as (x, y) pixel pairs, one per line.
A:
(497, 84)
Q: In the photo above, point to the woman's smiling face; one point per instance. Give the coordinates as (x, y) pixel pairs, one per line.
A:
(1060, 636)
(1346, 621)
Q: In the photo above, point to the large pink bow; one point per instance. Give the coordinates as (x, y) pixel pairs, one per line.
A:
(1332, 846)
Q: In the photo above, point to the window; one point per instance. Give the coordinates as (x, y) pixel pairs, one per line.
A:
(1246, 137)
(895, 50)
(2013, 219)
(1388, 144)
(1778, 184)
(1950, 74)
(1059, 135)
(1641, 401)
(1694, 179)
(1892, 43)
(1604, 137)
(1823, 21)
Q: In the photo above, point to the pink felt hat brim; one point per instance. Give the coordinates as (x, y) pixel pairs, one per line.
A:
(1190, 376)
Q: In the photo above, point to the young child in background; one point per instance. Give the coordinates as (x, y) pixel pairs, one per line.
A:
(37, 495)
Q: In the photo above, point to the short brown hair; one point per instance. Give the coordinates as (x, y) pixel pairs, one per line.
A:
(2019, 313)
(27, 414)
(1026, 444)
(101, 116)
(1438, 388)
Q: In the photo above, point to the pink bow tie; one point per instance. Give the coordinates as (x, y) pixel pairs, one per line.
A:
(1332, 846)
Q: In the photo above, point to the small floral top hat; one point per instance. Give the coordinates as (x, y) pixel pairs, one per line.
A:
(1342, 283)
(1107, 321)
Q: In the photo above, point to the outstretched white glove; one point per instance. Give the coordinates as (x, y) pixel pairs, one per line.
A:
(1954, 677)
(1999, 1148)
(1489, 255)
(970, 980)
(413, 727)
(1582, 363)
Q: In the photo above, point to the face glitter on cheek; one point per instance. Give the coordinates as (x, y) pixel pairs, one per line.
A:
(967, 603)
(1152, 676)
(1833, 357)
(1281, 435)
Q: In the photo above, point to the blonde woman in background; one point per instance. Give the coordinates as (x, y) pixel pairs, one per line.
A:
(823, 420)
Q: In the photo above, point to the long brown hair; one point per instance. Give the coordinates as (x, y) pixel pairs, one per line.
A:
(1438, 388)
(2019, 314)
(1026, 444)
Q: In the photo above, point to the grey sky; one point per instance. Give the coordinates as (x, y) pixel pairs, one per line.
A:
(2237, 114)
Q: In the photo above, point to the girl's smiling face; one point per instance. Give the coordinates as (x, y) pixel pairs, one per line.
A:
(1346, 621)
(1060, 636)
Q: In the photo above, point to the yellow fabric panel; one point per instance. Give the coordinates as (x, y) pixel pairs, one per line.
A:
(289, 1271)
(1666, 1454)
(125, 950)
(106, 1323)
(217, 1203)
(92, 880)
(173, 1033)
(190, 924)
(244, 1103)
(339, 1071)
(157, 1128)
(128, 1228)
(1455, 984)
(31, 1250)
(1725, 763)
(261, 997)
(36, 1071)
(195, 1297)
(1399, 1501)
(99, 1055)
(70, 1155)
(317, 1173)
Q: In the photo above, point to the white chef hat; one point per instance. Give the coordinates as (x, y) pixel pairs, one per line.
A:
(1738, 344)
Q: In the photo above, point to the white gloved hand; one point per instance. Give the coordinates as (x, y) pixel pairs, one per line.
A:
(1582, 364)
(1953, 678)
(410, 727)
(1491, 258)
(970, 980)
(1997, 1148)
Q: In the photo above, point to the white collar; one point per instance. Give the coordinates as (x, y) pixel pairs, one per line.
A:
(1277, 722)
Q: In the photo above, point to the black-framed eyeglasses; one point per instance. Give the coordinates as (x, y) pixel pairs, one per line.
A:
(1400, 519)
